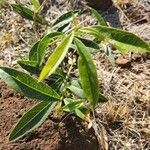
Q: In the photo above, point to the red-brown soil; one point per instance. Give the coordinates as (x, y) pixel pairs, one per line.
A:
(70, 134)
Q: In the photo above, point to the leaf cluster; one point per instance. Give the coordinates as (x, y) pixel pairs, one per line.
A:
(47, 80)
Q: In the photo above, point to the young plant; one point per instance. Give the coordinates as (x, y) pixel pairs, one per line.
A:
(48, 80)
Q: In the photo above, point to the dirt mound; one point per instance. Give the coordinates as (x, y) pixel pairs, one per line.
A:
(70, 134)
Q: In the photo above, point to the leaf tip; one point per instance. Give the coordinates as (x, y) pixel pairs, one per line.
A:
(11, 138)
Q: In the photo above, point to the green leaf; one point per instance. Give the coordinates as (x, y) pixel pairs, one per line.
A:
(45, 41)
(91, 47)
(64, 28)
(75, 82)
(100, 19)
(88, 74)
(82, 112)
(33, 52)
(36, 4)
(30, 66)
(32, 119)
(91, 31)
(123, 40)
(77, 91)
(89, 43)
(27, 13)
(64, 19)
(56, 58)
(28, 86)
(72, 106)
(79, 113)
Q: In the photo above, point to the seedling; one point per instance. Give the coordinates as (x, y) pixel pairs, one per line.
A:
(49, 82)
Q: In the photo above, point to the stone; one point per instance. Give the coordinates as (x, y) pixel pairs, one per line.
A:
(123, 62)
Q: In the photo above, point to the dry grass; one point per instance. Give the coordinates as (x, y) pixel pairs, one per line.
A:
(125, 119)
(127, 115)
(123, 3)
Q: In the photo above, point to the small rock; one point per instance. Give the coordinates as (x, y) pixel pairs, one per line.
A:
(123, 62)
